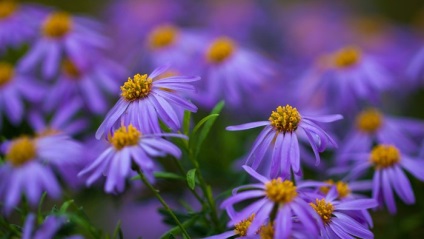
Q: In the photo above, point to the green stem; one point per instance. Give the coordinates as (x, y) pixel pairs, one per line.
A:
(183, 172)
(162, 201)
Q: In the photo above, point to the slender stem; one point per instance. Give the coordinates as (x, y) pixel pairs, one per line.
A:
(182, 171)
(162, 201)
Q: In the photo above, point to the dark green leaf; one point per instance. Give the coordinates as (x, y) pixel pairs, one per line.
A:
(163, 175)
(191, 178)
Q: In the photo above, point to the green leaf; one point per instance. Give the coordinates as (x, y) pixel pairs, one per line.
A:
(177, 230)
(202, 121)
(118, 231)
(65, 206)
(163, 175)
(191, 178)
(186, 122)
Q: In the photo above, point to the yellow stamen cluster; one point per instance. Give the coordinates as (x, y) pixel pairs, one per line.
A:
(342, 188)
(7, 8)
(347, 57)
(220, 50)
(124, 137)
(369, 121)
(70, 69)
(280, 191)
(162, 36)
(6, 73)
(285, 119)
(324, 209)
(21, 151)
(136, 88)
(242, 227)
(267, 231)
(383, 156)
(57, 25)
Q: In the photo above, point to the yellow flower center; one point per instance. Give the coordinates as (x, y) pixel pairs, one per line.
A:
(267, 231)
(342, 188)
(347, 57)
(383, 156)
(57, 25)
(220, 50)
(241, 227)
(324, 209)
(6, 73)
(70, 69)
(369, 121)
(280, 191)
(285, 119)
(136, 88)
(125, 136)
(163, 36)
(21, 151)
(7, 8)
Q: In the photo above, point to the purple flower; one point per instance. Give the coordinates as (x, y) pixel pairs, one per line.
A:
(232, 73)
(372, 126)
(336, 222)
(129, 147)
(348, 75)
(13, 88)
(415, 71)
(388, 163)
(281, 133)
(269, 194)
(27, 169)
(147, 98)
(63, 35)
(18, 23)
(85, 84)
(51, 225)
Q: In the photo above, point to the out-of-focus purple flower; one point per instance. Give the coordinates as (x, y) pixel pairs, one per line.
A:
(18, 23)
(14, 86)
(64, 36)
(179, 48)
(348, 75)
(129, 146)
(147, 98)
(85, 84)
(280, 134)
(47, 230)
(28, 167)
(269, 194)
(415, 70)
(388, 163)
(372, 126)
(232, 72)
(337, 223)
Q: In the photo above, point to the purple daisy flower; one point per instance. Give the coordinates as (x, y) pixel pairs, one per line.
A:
(51, 225)
(129, 147)
(280, 134)
(415, 70)
(372, 126)
(18, 23)
(232, 72)
(336, 222)
(63, 35)
(272, 193)
(388, 163)
(348, 75)
(86, 84)
(27, 169)
(147, 98)
(13, 87)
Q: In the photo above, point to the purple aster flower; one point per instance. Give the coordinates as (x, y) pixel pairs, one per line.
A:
(336, 222)
(372, 126)
(276, 194)
(129, 147)
(348, 75)
(18, 23)
(415, 71)
(86, 84)
(51, 225)
(27, 169)
(147, 98)
(232, 73)
(63, 35)
(281, 134)
(14, 86)
(388, 163)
